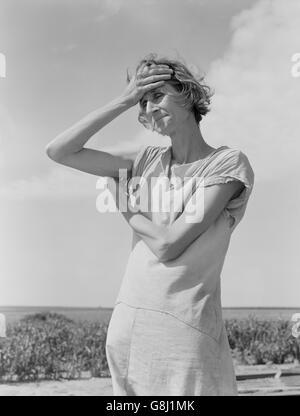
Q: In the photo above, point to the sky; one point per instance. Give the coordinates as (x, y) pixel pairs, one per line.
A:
(66, 58)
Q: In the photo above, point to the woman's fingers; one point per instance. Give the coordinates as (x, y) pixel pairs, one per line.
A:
(146, 78)
(161, 70)
(148, 87)
(153, 78)
(154, 70)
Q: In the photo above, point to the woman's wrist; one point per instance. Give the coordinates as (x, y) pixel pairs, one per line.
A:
(125, 100)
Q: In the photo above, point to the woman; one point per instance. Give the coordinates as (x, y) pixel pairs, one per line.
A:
(166, 335)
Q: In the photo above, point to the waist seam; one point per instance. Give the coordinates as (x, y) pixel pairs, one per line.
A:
(171, 314)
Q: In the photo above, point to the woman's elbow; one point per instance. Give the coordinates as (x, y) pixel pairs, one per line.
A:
(167, 252)
(160, 250)
(49, 152)
(53, 153)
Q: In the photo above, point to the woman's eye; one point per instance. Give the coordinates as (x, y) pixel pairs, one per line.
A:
(156, 96)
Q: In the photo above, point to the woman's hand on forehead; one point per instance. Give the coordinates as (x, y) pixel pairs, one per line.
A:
(154, 69)
(147, 78)
(152, 92)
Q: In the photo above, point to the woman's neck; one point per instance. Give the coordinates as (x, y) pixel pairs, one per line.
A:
(188, 144)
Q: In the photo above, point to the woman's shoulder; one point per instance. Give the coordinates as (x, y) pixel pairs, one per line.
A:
(149, 152)
(229, 151)
(231, 162)
(230, 155)
(146, 155)
(156, 150)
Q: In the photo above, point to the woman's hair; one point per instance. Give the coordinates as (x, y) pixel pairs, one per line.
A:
(196, 94)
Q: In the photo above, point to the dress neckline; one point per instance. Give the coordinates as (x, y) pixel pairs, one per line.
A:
(166, 164)
(168, 152)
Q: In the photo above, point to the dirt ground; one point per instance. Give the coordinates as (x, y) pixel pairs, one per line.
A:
(252, 380)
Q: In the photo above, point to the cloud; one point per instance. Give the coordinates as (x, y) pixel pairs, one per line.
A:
(255, 107)
(65, 182)
(61, 182)
(145, 11)
(256, 103)
(69, 47)
(143, 138)
(108, 8)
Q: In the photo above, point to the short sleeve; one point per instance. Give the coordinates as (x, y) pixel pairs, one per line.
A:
(143, 158)
(234, 165)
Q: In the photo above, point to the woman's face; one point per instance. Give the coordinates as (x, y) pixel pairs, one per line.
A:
(161, 110)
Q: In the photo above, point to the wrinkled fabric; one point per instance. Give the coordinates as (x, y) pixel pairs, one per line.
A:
(174, 307)
(152, 353)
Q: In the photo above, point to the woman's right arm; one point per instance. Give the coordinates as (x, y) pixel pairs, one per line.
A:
(68, 147)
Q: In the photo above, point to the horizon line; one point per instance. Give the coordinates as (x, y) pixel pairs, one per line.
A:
(111, 307)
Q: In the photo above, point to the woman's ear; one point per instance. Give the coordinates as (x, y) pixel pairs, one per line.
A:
(144, 121)
(128, 77)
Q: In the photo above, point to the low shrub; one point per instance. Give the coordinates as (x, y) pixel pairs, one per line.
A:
(255, 341)
(50, 346)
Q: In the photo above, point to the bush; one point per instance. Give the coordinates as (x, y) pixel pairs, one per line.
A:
(255, 341)
(51, 346)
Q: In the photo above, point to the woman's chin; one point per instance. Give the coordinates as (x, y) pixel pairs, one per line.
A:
(162, 130)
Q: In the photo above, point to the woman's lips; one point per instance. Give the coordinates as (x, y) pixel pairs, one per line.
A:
(157, 119)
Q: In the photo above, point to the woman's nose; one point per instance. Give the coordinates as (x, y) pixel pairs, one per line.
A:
(150, 108)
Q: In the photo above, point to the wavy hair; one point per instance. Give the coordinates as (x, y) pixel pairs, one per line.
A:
(195, 93)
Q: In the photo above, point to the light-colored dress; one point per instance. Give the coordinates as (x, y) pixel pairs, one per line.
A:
(166, 335)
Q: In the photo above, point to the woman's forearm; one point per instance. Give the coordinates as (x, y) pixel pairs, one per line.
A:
(152, 234)
(74, 138)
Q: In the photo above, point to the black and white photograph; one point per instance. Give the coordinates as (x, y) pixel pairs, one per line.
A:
(149, 199)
